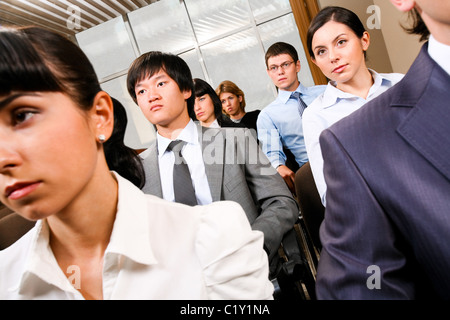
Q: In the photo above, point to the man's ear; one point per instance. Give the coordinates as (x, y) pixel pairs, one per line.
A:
(187, 94)
(404, 5)
(103, 115)
(298, 66)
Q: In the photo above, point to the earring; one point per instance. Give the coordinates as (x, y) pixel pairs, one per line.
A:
(101, 138)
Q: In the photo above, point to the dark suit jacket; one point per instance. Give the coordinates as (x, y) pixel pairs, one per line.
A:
(386, 232)
(238, 170)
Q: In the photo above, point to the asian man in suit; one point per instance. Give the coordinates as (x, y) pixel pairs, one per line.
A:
(224, 163)
(386, 232)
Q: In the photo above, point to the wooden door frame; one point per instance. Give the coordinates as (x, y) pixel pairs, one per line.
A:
(304, 11)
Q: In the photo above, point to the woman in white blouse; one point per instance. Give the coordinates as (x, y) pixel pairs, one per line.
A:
(337, 43)
(98, 236)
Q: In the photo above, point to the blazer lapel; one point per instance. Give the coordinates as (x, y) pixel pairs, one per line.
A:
(427, 126)
(213, 149)
(151, 167)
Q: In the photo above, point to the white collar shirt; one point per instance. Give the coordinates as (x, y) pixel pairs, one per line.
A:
(215, 124)
(330, 107)
(154, 253)
(440, 53)
(193, 154)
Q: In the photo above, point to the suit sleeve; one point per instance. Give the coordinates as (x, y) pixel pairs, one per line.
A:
(360, 257)
(278, 209)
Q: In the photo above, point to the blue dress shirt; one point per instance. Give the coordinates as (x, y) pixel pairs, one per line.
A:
(279, 124)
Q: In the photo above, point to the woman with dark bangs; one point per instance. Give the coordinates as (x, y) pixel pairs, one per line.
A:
(97, 235)
(208, 108)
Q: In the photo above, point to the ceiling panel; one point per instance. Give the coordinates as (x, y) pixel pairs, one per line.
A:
(65, 16)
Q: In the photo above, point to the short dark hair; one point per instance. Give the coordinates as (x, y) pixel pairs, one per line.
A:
(338, 14)
(151, 63)
(281, 48)
(36, 59)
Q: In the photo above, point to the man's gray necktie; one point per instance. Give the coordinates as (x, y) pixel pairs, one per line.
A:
(182, 182)
(301, 104)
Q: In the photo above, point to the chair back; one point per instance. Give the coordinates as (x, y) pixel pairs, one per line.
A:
(311, 207)
(12, 226)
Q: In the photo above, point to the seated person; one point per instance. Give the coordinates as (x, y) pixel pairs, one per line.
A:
(386, 229)
(337, 43)
(223, 163)
(233, 104)
(280, 123)
(207, 107)
(97, 235)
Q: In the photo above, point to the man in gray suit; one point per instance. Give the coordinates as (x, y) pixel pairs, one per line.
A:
(386, 232)
(224, 164)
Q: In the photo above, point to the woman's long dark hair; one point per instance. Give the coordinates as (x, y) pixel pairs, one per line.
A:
(201, 87)
(121, 158)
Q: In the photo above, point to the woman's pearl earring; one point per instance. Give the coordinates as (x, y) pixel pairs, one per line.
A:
(101, 138)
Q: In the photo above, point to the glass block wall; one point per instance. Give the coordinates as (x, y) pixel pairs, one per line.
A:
(219, 40)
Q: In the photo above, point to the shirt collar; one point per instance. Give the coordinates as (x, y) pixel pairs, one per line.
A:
(188, 134)
(129, 238)
(284, 96)
(41, 262)
(439, 52)
(332, 94)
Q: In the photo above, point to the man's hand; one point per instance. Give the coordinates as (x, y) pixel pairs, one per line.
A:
(289, 177)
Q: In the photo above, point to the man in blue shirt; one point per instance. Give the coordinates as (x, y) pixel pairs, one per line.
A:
(280, 123)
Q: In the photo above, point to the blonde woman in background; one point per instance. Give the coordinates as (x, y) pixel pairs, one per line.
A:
(233, 104)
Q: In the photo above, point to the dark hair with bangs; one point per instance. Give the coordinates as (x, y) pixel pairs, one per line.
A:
(201, 88)
(337, 14)
(150, 63)
(36, 59)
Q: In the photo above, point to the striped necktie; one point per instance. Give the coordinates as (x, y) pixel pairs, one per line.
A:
(301, 104)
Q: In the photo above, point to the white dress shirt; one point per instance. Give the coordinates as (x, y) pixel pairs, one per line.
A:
(192, 153)
(214, 124)
(440, 53)
(330, 107)
(154, 253)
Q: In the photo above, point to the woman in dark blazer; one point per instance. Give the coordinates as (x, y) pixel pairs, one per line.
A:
(387, 167)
